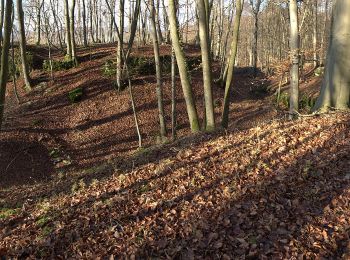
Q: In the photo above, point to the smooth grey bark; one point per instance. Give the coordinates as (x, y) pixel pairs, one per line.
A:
(231, 64)
(335, 90)
(22, 44)
(181, 62)
(68, 31)
(2, 12)
(38, 21)
(72, 32)
(5, 56)
(255, 4)
(314, 33)
(206, 64)
(173, 95)
(159, 88)
(85, 40)
(119, 74)
(294, 58)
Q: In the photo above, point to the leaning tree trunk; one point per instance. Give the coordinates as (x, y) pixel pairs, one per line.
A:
(335, 91)
(25, 67)
(294, 56)
(158, 70)
(181, 63)
(5, 56)
(231, 64)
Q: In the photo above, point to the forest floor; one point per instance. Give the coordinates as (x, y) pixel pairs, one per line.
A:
(74, 184)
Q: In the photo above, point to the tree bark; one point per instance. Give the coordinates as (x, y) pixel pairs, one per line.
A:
(85, 41)
(5, 57)
(158, 70)
(181, 62)
(335, 90)
(231, 64)
(294, 56)
(25, 68)
(206, 64)
(72, 32)
(68, 31)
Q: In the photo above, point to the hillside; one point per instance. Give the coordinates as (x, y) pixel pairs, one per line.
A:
(74, 185)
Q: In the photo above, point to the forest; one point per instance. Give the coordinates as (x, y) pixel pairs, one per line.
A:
(175, 129)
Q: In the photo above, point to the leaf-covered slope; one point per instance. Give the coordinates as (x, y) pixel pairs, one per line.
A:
(279, 190)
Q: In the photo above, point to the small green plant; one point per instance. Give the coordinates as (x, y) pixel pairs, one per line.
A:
(109, 68)
(7, 212)
(319, 71)
(75, 95)
(42, 221)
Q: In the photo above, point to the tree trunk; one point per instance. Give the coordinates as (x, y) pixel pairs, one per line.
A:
(68, 31)
(158, 70)
(72, 33)
(335, 90)
(25, 68)
(181, 62)
(173, 95)
(5, 57)
(85, 41)
(2, 11)
(206, 64)
(294, 56)
(38, 19)
(231, 64)
(120, 78)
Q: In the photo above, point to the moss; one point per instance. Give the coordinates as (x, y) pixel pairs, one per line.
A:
(146, 65)
(75, 95)
(58, 65)
(8, 212)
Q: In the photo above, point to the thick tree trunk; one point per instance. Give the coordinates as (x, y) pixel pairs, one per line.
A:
(5, 57)
(206, 64)
(181, 62)
(231, 64)
(294, 57)
(335, 91)
(158, 70)
(25, 68)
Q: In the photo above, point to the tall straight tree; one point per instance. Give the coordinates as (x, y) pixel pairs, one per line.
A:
(72, 32)
(294, 57)
(5, 56)
(68, 31)
(25, 67)
(256, 6)
(335, 90)
(40, 4)
(158, 69)
(182, 66)
(231, 63)
(2, 12)
(203, 16)
(85, 40)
